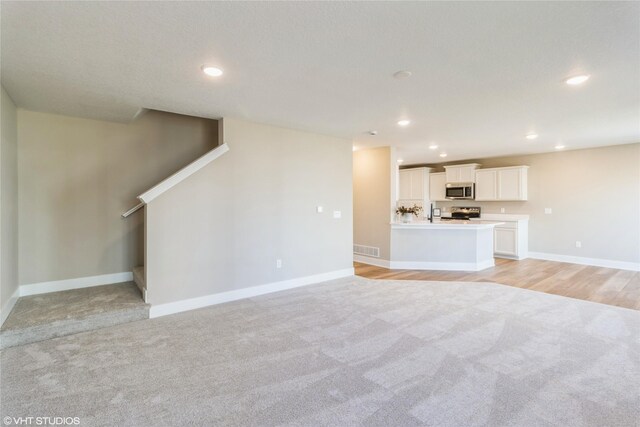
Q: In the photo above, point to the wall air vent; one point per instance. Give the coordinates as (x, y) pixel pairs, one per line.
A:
(366, 250)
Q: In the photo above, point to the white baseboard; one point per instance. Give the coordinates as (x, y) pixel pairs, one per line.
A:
(449, 266)
(78, 283)
(378, 262)
(213, 299)
(6, 310)
(596, 262)
(418, 265)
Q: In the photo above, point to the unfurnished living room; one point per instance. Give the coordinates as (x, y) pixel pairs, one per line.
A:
(320, 213)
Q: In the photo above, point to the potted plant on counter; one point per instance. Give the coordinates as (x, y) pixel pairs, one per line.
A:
(408, 213)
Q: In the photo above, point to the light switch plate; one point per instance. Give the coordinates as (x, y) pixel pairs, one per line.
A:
(337, 214)
(319, 209)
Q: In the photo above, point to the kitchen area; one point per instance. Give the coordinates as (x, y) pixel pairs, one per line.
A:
(458, 237)
(436, 222)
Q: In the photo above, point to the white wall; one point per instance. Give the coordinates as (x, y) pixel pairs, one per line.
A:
(594, 195)
(223, 228)
(8, 204)
(77, 176)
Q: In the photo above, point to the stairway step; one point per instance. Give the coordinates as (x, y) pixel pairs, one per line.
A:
(56, 314)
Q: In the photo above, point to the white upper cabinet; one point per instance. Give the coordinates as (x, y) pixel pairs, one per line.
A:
(437, 186)
(461, 173)
(413, 184)
(404, 184)
(417, 183)
(486, 184)
(502, 183)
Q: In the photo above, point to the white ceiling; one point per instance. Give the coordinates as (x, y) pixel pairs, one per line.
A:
(484, 73)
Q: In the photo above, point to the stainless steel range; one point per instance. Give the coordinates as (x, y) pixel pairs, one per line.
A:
(462, 213)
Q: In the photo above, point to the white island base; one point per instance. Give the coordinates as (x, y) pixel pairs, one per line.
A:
(442, 246)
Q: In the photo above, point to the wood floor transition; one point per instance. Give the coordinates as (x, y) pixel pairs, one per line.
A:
(604, 285)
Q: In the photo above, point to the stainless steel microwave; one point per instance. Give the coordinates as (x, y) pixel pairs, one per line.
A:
(460, 190)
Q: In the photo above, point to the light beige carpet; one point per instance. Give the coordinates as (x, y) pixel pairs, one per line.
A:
(347, 352)
(56, 314)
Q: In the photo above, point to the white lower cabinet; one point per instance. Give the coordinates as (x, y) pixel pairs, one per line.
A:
(511, 240)
(505, 241)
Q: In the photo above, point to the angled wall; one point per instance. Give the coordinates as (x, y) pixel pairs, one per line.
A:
(224, 228)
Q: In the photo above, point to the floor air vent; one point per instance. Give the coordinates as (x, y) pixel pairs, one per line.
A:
(366, 250)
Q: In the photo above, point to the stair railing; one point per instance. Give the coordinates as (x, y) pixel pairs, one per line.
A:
(132, 210)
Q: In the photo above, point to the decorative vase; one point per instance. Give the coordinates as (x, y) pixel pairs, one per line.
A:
(407, 217)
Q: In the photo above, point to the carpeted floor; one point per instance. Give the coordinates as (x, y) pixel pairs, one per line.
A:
(348, 352)
(56, 314)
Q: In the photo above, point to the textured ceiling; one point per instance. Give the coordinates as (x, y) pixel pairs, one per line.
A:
(484, 74)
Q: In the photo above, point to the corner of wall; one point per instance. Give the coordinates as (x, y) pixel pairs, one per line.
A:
(8, 205)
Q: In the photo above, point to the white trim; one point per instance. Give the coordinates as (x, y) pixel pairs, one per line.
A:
(222, 297)
(596, 262)
(421, 265)
(513, 257)
(78, 283)
(450, 266)
(371, 261)
(183, 173)
(6, 310)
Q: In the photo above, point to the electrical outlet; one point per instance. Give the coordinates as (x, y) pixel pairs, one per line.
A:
(578, 244)
(278, 263)
(548, 211)
(337, 214)
(502, 210)
(319, 209)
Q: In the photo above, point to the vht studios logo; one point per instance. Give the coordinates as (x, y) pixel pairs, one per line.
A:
(41, 421)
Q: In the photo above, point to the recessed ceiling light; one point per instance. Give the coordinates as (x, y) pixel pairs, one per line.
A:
(212, 71)
(433, 147)
(443, 154)
(404, 122)
(532, 136)
(559, 147)
(402, 74)
(577, 80)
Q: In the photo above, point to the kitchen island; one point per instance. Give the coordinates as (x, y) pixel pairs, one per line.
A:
(442, 245)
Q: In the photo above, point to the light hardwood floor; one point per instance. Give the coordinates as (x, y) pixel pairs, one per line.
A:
(603, 285)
